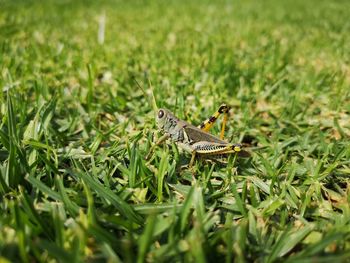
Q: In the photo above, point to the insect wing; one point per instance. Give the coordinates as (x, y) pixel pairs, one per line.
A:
(197, 135)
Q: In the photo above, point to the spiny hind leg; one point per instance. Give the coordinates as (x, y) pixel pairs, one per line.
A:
(210, 148)
(208, 123)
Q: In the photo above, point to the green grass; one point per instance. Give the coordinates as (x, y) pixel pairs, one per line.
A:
(73, 181)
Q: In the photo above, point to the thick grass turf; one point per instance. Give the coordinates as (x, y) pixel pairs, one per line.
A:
(74, 130)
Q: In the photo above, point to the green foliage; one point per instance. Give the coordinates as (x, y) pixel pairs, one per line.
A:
(75, 129)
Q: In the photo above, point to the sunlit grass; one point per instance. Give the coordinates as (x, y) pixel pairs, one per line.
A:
(75, 129)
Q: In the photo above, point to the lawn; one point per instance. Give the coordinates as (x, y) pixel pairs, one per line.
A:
(75, 128)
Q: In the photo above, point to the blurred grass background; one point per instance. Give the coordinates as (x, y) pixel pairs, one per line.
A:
(74, 185)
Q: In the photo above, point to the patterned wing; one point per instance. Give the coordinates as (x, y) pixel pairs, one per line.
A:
(195, 134)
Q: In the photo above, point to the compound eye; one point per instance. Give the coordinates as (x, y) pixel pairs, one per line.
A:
(160, 114)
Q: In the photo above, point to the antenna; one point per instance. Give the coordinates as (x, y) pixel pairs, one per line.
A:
(152, 101)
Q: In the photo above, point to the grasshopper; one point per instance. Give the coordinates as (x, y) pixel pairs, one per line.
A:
(196, 140)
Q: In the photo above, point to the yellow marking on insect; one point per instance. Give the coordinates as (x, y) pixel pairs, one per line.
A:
(207, 124)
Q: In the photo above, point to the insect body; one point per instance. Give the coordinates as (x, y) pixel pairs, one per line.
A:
(194, 139)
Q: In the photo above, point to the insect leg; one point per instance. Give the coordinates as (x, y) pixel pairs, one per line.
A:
(160, 140)
(222, 133)
(207, 124)
(210, 148)
(192, 159)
